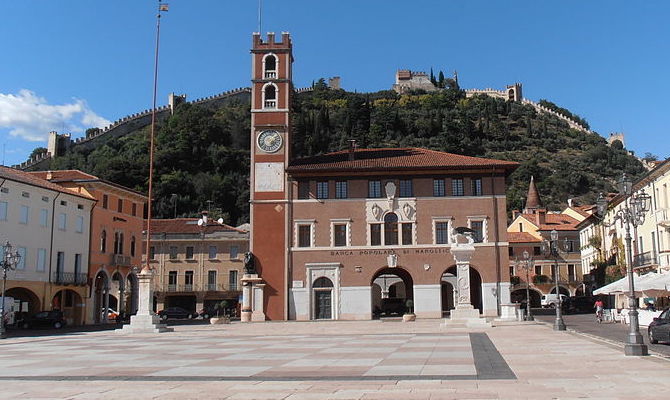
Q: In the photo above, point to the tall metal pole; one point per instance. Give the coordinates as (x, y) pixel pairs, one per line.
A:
(3, 333)
(559, 324)
(529, 316)
(635, 345)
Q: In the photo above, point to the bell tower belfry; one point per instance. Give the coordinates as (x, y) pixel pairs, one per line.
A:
(271, 71)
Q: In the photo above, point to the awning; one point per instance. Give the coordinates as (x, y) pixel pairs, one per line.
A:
(621, 286)
(657, 287)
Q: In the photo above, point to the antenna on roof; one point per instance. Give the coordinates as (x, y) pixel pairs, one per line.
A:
(260, 14)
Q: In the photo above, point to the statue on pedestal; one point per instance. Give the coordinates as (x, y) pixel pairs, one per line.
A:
(249, 263)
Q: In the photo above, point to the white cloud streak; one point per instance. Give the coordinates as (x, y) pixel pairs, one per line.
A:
(31, 117)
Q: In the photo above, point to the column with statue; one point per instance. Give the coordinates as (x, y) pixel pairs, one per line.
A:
(252, 291)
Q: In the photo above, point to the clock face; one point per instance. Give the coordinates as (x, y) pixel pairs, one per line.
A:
(270, 141)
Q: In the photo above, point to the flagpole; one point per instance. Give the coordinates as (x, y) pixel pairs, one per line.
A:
(147, 267)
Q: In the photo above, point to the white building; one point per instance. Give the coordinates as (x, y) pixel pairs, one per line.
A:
(50, 228)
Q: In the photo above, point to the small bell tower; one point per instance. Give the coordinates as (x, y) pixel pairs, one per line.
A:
(272, 89)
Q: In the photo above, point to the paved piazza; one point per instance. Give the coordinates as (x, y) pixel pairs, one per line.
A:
(328, 360)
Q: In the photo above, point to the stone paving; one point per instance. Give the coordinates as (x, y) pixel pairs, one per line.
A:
(328, 360)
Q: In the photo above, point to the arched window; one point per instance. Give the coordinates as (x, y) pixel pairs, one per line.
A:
(269, 96)
(103, 241)
(132, 246)
(391, 229)
(270, 66)
(323, 282)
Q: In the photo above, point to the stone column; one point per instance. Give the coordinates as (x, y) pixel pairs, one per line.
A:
(145, 321)
(462, 252)
(257, 313)
(246, 302)
(251, 297)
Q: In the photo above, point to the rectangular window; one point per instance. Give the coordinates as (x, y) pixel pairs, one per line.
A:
(441, 232)
(234, 252)
(212, 252)
(119, 205)
(63, 203)
(232, 280)
(391, 232)
(188, 281)
(438, 187)
(341, 190)
(374, 189)
(80, 206)
(60, 264)
(406, 188)
(25, 194)
(189, 252)
(172, 279)
(553, 272)
(375, 234)
(62, 221)
(152, 253)
(457, 187)
(133, 209)
(23, 217)
(537, 251)
(322, 190)
(105, 200)
(340, 234)
(80, 224)
(44, 217)
(571, 272)
(510, 251)
(173, 252)
(538, 270)
(4, 190)
(22, 260)
(476, 186)
(304, 236)
(407, 234)
(45, 199)
(211, 280)
(3, 211)
(77, 265)
(41, 260)
(303, 190)
(478, 227)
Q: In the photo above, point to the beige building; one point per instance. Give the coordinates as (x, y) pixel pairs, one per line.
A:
(197, 266)
(50, 227)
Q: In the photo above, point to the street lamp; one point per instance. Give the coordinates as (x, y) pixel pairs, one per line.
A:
(527, 263)
(10, 259)
(551, 248)
(631, 213)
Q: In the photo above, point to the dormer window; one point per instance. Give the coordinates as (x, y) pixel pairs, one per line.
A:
(269, 96)
(270, 66)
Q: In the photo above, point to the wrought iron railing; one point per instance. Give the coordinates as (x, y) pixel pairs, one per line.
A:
(69, 278)
(644, 259)
(120, 259)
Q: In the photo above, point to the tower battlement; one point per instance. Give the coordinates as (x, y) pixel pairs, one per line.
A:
(270, 43)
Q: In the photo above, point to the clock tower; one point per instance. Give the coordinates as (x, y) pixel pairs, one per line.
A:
(271, 93)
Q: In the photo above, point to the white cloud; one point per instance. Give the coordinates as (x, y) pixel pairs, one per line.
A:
(30, 117)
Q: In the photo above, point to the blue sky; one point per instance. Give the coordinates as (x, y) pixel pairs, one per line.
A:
(69, 65)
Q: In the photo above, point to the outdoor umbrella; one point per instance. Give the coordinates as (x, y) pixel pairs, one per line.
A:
(621, 286)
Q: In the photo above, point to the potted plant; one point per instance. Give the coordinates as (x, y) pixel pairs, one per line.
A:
(409, 313)
(220, 309)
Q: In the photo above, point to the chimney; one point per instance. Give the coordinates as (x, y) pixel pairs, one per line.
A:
(569, 202)
(352, 149)
(541, 216)
(50, 176)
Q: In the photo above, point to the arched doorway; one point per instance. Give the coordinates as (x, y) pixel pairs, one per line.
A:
(448, 294)
(117, 291)
(475, 286)
(395, 288)
(132, 295)
(70, 303)
(561, 290)
(519, 296)
(29, 302)
(101, 297)
(323, 298)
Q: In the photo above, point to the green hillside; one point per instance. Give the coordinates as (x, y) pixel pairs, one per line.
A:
(203, 154)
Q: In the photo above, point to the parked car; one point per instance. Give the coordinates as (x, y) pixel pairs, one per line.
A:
(175, 313)
(393, 306)
(659, 328)
(551, 300)
(44, 319)
(111, 314)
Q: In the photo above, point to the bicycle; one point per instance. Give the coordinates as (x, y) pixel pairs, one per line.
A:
(599, 316)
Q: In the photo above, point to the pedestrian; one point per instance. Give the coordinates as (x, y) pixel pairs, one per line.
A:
(599, 306)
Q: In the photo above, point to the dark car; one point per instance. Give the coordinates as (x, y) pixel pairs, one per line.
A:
(176, 313)
(659, 328)
(581, 304)
(393, 306)
(44, 319)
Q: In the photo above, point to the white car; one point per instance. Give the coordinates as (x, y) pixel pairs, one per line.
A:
(551, 300)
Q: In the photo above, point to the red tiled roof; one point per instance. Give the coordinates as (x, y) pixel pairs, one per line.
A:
(187, 225)
(584, 211)
(35, 180)
(559, 222)
(521, 237)
(74, 175)
(411, 158)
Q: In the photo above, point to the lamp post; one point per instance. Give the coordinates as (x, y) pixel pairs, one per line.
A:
(9, 261)
(631, 213)
(527, 263)
(551, 248)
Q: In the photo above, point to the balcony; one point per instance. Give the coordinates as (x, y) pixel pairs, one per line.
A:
(270, 74)
(644, 259)
(210, 287)
(69, 278)
(662, 216)
(120, 260)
